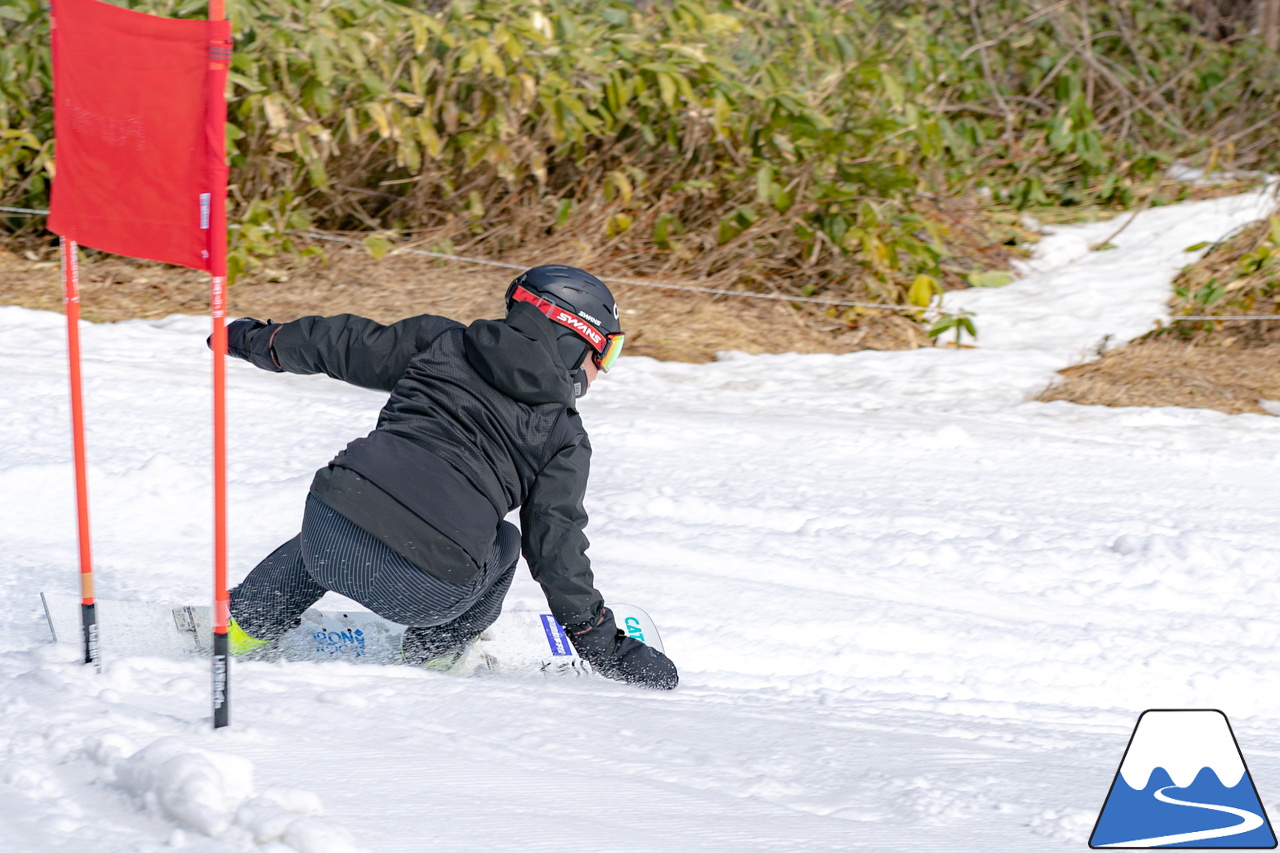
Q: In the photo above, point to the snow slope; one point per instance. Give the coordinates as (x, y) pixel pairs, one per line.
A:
(912, 609)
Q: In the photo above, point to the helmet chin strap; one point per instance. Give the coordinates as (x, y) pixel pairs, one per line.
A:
(579, 379)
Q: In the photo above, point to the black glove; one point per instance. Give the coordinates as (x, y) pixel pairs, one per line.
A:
(615, 655)
(250, 339)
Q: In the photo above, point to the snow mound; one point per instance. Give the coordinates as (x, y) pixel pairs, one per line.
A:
(212, 793)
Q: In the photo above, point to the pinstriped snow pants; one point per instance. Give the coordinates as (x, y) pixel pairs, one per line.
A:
(332, 553)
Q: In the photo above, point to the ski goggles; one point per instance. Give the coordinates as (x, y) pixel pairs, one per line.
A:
(605, 347)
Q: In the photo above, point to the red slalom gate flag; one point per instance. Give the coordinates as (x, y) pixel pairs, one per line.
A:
(139, 119)
(140, 153)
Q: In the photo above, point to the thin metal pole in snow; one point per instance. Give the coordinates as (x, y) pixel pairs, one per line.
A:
(218, 310)
(71, 300)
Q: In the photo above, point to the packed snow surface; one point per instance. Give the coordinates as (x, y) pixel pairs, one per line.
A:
(912, 609)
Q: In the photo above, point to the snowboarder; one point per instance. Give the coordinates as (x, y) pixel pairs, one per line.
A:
(408, 520)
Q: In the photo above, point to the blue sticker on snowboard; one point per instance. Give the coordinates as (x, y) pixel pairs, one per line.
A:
(556, 637)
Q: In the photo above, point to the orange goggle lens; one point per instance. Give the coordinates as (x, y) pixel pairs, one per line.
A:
(612, 349)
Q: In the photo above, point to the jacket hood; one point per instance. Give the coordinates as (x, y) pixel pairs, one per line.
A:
(518, 356)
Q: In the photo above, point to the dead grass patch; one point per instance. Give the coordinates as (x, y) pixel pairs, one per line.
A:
(1157, 372)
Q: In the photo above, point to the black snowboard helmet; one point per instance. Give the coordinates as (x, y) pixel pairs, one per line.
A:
(587, 319)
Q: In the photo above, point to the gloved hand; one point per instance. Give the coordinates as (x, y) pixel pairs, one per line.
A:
(615, 655)
(250, 339)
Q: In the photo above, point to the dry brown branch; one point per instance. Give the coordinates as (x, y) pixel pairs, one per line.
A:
(986, 71)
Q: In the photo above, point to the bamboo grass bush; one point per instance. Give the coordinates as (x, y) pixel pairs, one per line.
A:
(802, 146)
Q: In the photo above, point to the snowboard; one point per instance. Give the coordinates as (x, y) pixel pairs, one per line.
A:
(520, 640)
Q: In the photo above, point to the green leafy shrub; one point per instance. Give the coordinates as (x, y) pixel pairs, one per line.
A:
(807, 147)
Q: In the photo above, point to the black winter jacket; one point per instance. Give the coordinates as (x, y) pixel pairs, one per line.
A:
(481, 420)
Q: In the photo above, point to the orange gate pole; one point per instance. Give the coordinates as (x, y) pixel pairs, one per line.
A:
(218, 310)
(71, 300)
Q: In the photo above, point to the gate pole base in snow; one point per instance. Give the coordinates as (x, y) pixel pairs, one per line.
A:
(89, 619)
(221, 682)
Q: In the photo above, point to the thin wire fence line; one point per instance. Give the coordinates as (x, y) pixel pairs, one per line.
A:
(446, 256)
(1224, 317)
(631, 281)
(843, 303)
